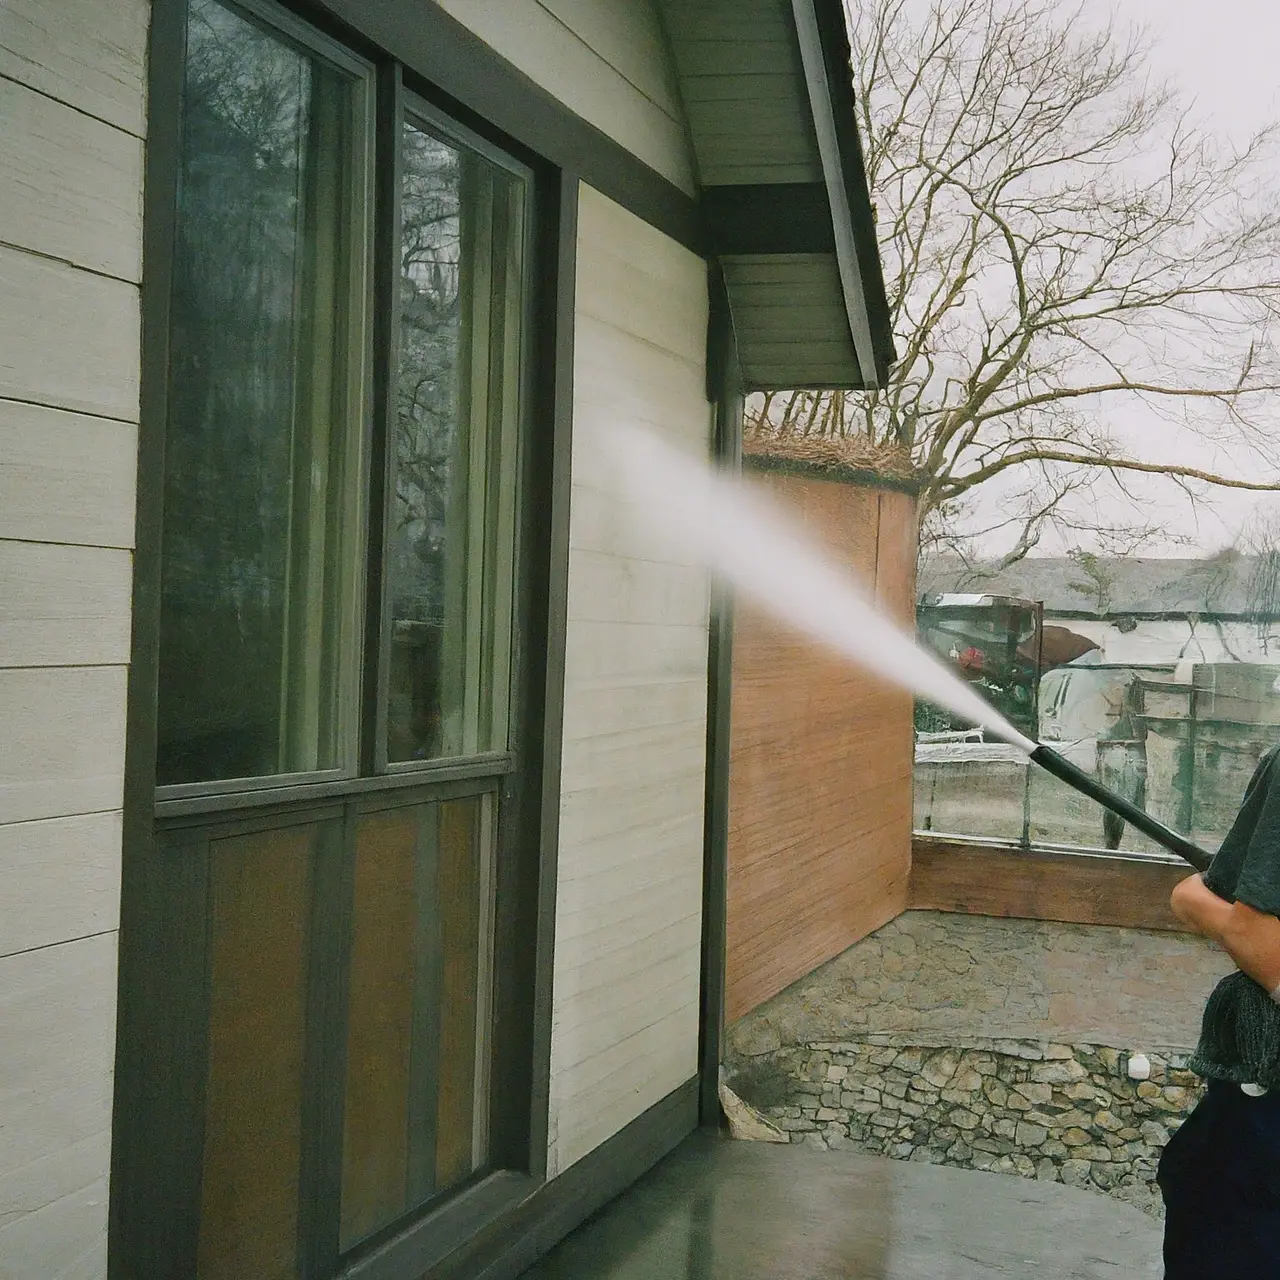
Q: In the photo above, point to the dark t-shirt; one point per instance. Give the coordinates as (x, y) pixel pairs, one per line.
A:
(1240, 1032)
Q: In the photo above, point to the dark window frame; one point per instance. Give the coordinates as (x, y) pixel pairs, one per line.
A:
(163, 979)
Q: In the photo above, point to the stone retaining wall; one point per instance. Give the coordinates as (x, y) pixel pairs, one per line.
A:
(1067, 1113)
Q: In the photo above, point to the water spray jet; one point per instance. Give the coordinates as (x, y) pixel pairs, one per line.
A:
(685, 509)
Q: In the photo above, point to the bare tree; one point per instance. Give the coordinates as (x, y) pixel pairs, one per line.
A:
(1058, 237)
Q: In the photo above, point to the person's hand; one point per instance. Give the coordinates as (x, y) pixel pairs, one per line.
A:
(1249, 936)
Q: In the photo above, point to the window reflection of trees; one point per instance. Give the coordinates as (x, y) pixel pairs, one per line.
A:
(239, 311)
(427, 395)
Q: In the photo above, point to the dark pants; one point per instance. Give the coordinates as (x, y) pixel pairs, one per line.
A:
(1220, 1178)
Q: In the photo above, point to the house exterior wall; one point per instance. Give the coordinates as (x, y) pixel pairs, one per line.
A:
(606, 60)
(1173, 639)
(629, 896)
(821, 762)
(72, 102)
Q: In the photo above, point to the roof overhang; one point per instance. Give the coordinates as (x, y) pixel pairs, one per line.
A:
(768, 92)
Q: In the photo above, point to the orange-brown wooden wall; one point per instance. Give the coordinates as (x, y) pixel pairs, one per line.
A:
(821, 759)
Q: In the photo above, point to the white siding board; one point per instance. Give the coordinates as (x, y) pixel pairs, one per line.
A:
(605, 523)
(625, 1087)
(70, 186)
(64, 605)
(591, 1005)
(563, 62)
(57, 1006)
(625, 1023)
(65, 1239)
(59, 880)
(629, 38)
(616, 1068)
(593, 814)
(613, 588)
(589, 1039)
(782, 115)
(72, 103)
(88, 53)
(658, 757)
(64, 741)
(68, 339)
(622, 648)
(619, 957)
(602, 903)
(617, 861)
(636, 704)
(66, 477)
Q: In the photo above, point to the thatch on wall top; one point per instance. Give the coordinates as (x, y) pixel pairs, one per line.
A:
(852, 459)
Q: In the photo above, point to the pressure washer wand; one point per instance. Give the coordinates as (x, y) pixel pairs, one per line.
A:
(1073, 776)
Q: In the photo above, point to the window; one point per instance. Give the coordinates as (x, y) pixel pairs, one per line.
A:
(265, 501)
(267, 402)
(336, 772)
(454, 450)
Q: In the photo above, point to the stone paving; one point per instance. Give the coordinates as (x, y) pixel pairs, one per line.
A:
(998, 1045)
(938, 976)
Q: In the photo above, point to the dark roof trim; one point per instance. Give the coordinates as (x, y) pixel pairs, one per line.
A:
(824, 46)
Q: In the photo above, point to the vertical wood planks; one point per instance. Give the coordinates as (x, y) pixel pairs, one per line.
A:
(379, 1023)
(820, 775)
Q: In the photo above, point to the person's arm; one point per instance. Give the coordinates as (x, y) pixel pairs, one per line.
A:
(1249, 936)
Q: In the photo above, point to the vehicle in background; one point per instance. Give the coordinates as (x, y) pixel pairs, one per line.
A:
(991, 642)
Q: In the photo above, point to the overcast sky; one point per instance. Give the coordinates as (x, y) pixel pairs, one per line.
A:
(1225, 55)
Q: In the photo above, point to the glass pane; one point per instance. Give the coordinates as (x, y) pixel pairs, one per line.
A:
(1181, 740)
(454, 448)
(261, 504)
(260, 892)
(417, 1080)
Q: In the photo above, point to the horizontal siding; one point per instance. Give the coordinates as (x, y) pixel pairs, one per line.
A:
(57, 1007)
(604, 59)
(91, 54)
(72, 102)
(59, 880)
(64, 741)
(68, 339)
(629, 892)
(70, 186)
(66, 477)
(629, 38)
(65, 606)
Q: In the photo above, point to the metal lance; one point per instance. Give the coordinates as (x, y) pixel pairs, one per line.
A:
(1073, 776)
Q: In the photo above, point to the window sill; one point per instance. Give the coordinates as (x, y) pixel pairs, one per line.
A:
(429, 1241)
(170, 806)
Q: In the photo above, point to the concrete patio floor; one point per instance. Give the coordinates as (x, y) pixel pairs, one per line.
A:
(723, 1210)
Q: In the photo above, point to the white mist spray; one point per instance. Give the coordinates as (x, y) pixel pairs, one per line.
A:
(682, 507)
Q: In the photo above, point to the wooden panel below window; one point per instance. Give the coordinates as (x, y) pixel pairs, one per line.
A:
(260, 889)
(375, 1157)
(459, 900)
